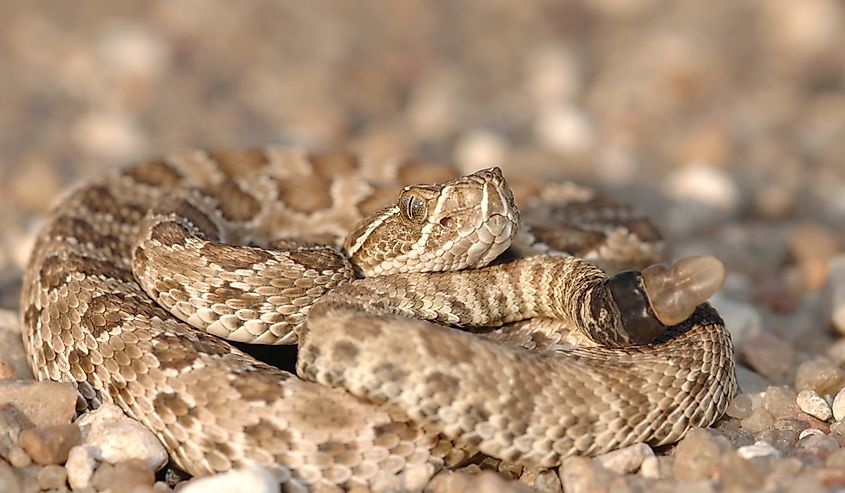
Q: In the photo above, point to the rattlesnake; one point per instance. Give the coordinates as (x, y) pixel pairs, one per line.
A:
(394, 399)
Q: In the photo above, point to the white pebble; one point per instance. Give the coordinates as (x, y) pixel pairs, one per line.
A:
(114, 437)
(480, 149)
(759, 449)
(627, 459)
(839, 405)
(813, 404)
(80, 467)
(564, 129)
(251, 480)
(810, 431)
(703, 184)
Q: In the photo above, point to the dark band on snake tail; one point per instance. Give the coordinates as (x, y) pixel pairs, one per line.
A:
(636, 316)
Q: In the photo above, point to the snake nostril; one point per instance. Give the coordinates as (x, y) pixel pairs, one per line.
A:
(447, 222)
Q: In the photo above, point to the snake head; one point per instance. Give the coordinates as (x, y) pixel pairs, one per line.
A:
(462, 223)
(664, 295)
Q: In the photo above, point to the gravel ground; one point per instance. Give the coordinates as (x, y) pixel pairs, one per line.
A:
(725, 121)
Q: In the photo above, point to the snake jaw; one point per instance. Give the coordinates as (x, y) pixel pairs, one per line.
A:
(675, 291)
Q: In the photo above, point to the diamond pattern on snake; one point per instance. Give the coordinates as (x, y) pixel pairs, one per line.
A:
(435, 319)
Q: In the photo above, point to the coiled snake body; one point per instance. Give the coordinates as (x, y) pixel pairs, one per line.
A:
(135, 274)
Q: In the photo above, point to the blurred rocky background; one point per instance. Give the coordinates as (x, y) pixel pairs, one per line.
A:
(724, 120)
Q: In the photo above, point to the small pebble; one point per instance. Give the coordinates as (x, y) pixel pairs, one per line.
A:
(818, 441)
(583, 475)
(839, 405)
(564, 129)
(43, 403)
(737, 473)
(80, 467)
(52, 476)
(114, 438)
(820, 375)
(655, 467)
(768, 355)
(780, 401)
(19, 458)
(740, 407)
(759, 420)
(542, 480)
(759, 449)
(50, 444)
(697, 456)
(125, 475)
(251, 480)
(8, 480)
(836, 459)
(813, 404)
(480, 149)
(810, 431)
(625, 460)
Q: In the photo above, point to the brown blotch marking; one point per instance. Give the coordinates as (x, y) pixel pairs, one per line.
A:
(239, 162)
(169, 401)
(235, 204)
(569, 238)
(157, 173)
(198, 218)
(390, 373)
(231, 258)
(56, 269)
(84, 232)
(170, 233)
(344, 351)
(440, 382)
(268, 436)
(643, 229)
(413, 172)
(305, 194)
(260, 385)
(98, 199)
(479, 412)
(172, 352)
(319, 260)
(337, 163)
(210, 345)
(363, 327)
(105, 312)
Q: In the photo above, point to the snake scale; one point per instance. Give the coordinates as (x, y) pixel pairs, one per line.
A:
(367, 264)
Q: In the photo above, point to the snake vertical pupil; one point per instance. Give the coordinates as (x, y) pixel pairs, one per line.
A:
(637, 318)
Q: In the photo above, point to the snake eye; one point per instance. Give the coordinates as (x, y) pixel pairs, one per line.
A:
(413, 207)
